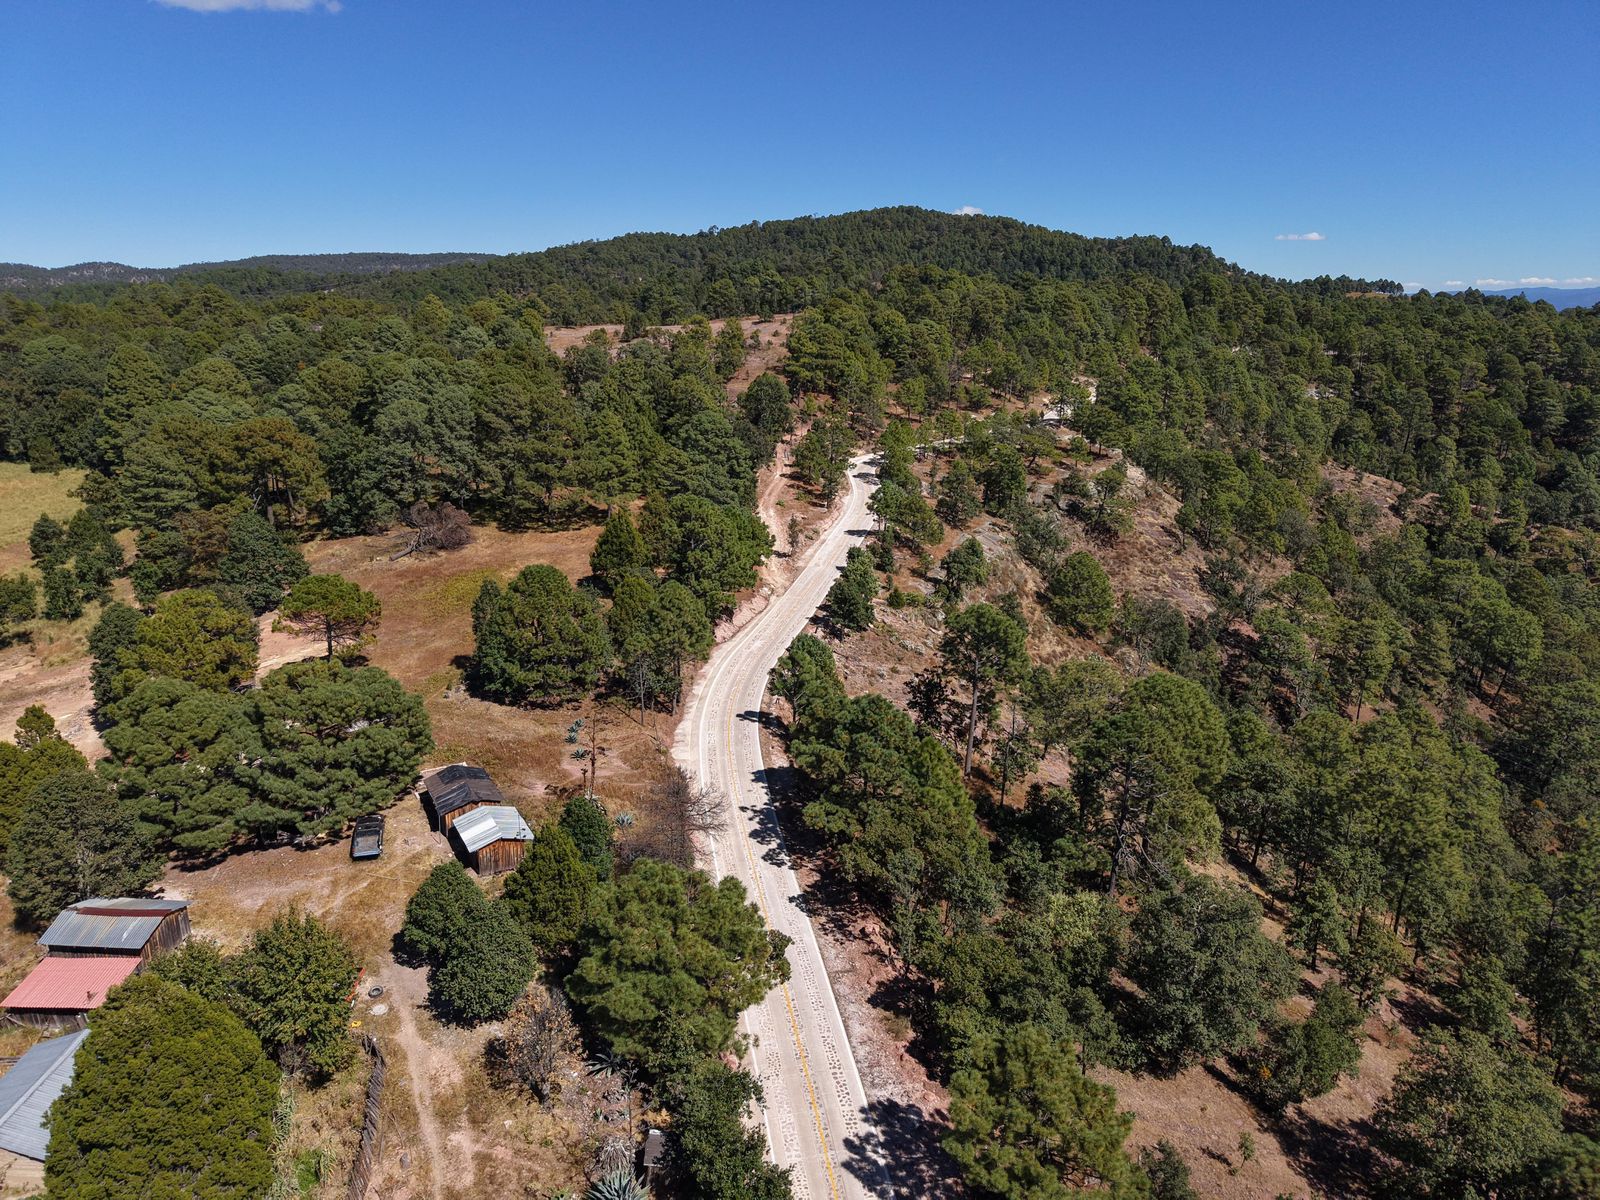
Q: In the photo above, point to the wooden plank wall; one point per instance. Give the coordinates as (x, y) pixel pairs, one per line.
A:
(371, 1124)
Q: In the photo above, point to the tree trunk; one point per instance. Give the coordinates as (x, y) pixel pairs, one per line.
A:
(972, 728)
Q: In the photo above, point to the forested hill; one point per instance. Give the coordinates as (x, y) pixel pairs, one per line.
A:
(777, 266)
(258, 275)
(772, 266)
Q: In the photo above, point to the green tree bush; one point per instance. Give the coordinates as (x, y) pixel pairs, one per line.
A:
(1463, 1120)
(72, 841)
(537, 641)
(552, 891)
(332, 608)
(484, 969)
(172, 1096)
(292, 985)
(669, 950)
(260, 563)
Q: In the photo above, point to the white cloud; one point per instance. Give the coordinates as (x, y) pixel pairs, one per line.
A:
(216, 6)
(1493, 283)
(1412, 287)
(1454, 283)
(1301, 237)
(969, 210)
(1582, 281)
(1533, 280)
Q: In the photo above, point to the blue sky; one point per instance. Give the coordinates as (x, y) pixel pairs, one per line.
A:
(1428, 142)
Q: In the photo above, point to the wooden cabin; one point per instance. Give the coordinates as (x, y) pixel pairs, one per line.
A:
(451, 792)
(128, 926)
(62, 990)
(491, 839)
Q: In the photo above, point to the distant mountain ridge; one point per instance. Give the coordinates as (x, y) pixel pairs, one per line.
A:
(1560, 297)
(25, 279)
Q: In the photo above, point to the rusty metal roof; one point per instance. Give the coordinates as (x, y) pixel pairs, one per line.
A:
(122, 925)
(495, 823)
(71, 983)
(28, 1090)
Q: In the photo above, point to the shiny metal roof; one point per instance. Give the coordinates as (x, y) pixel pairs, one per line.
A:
(494, 823)
(28, 1090)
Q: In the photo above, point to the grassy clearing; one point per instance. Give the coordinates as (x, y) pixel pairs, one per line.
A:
(24, 494)
(455, 595)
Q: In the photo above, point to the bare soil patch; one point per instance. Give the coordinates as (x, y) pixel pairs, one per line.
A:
(1382, 494)
(773, 332)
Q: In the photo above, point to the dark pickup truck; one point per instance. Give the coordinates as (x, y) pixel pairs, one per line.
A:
(367, 840)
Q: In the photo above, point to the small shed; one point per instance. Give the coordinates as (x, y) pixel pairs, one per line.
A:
(60, 992)
(451, 792)
(28, 1090)
(142, 928)
(655, 1145)
(492, 838)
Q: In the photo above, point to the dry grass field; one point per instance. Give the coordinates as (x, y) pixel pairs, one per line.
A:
(24, 495)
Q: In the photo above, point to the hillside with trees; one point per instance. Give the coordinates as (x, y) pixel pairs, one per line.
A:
(1255, 633)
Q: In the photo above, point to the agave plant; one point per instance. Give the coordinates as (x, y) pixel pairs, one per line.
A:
(624, 819)
(619, 1185)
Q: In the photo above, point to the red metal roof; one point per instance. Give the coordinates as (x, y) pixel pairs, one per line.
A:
(71, 984)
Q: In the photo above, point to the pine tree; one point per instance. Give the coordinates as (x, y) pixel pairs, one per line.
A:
(439, 911)
(75, 840)
(338, 742)
(113, 634)
(668, 951)
(177, 756)
(1027, 1124)
(194, 636)
(619, 552)
(538, 641)
(171, 1096)
(849, 600)
(260, 562)
(333, 608)
(552, 891)
(1078, 594)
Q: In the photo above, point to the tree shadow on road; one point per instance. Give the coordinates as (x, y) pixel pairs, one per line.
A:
(900, 1152)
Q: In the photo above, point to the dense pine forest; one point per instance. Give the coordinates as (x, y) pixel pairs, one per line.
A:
(1383, 718)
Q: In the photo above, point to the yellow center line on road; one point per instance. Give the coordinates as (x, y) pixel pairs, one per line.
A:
(788, 998)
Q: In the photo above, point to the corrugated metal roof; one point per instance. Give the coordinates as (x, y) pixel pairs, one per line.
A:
(71, 983)
(494, 823)
(459, 785)
(124, 924)
(28, 1090)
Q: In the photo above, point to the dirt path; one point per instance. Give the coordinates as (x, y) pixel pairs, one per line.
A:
(407, 992)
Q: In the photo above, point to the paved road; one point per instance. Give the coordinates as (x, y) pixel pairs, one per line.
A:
(815, 1104)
